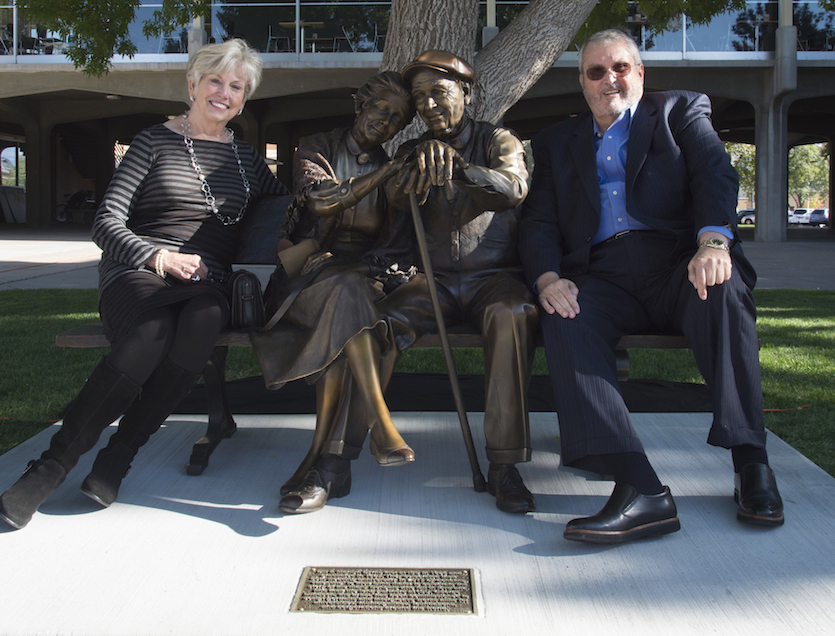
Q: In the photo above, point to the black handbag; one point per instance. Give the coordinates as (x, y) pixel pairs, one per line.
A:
(246, 300)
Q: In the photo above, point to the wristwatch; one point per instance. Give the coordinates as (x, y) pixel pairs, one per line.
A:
(716, 243)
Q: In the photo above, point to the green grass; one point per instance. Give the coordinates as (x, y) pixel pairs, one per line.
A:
(796, 329)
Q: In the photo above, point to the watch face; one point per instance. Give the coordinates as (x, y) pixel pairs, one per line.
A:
(717, 243)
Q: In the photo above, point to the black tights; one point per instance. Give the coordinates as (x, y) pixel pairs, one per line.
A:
(185, 333)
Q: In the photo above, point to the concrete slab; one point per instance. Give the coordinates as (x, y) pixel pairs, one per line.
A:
(801, 263)
(48, 259)
(212, 555)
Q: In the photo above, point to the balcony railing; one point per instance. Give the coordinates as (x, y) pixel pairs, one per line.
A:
(296, 29)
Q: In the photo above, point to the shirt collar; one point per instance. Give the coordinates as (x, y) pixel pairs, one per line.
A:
(363, 156)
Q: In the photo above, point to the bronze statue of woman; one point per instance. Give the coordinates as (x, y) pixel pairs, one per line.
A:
(332, 334)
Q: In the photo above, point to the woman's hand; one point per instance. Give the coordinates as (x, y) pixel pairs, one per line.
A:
(314, 261)
(181, 266)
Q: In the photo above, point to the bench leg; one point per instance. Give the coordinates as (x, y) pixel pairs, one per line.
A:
(221, 425)
(622, 362)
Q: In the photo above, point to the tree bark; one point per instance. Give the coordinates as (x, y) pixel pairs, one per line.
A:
(522, 52)
(419, 25)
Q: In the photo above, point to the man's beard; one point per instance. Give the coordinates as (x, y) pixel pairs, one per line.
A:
(614, 107)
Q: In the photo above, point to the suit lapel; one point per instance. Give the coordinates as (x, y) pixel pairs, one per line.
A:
(640, 136)
(582, 152)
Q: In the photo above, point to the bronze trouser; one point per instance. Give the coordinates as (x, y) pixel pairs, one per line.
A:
(497, 303)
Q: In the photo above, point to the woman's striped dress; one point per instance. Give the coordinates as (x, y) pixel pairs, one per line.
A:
(155, 201)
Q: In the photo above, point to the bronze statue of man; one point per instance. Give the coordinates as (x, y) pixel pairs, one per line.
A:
(470, 177)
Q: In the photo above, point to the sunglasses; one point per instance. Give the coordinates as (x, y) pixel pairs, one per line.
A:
(595, 73)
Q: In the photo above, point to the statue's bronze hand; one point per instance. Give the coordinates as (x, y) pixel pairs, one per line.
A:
(436, 161)
(314, 261)
(407, 176)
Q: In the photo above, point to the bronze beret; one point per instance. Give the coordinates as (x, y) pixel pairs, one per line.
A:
(439, 61)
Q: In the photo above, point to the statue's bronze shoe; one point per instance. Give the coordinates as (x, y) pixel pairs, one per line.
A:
(505, 483)
(318, 486)
(391, 456)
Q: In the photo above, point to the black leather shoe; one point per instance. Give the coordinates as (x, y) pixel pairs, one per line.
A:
(505, 483)
(318, 486)
(628, 515)
(755, 491)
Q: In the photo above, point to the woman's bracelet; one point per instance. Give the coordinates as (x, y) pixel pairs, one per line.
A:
(158, 263)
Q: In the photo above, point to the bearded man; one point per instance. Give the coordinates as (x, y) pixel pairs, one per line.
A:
(630, 227)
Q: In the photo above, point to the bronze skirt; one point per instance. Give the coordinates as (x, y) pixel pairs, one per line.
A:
(334, 308)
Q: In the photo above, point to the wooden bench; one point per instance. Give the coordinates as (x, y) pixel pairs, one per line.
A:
(259, 236)
(221, 424)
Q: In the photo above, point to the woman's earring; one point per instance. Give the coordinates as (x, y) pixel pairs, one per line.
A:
(240, 111)
(191, 97)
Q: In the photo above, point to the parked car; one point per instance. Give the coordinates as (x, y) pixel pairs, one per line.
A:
(819, 217)
(799, 216)
(746, 217)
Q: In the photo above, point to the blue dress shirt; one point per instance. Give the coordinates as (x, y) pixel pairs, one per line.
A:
(610, 153)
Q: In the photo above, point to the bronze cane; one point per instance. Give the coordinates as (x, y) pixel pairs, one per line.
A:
(479, 485)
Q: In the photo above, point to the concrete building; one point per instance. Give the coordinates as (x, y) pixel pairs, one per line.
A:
(769, 70)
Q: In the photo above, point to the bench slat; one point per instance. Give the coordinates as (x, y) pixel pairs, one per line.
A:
(91, 336)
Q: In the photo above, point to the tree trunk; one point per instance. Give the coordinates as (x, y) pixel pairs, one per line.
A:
(416, 26)
(522, 52)
(505, 69)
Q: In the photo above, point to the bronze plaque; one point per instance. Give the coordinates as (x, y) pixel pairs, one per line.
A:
(386, 590)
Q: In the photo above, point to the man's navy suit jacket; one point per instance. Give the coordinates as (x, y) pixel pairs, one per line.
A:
(678, 179)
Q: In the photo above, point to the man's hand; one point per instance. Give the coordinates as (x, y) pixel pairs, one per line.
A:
(709, 266)
(558, 295)
(433, 165)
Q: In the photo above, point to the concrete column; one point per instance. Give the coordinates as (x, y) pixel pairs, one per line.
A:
(831, 188)
(772, 170)
(280, 134)
(772, 141)
(38, 171)
(487, 34)
(197, 36)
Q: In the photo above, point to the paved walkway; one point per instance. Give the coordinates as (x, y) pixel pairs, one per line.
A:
(65, 257)
(213, 556)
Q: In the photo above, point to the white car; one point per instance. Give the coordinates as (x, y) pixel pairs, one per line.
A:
(799, 216)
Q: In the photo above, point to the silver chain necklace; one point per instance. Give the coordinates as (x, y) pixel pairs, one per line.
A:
(204, 185)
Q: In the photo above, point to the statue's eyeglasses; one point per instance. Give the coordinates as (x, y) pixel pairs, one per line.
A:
(597, 72)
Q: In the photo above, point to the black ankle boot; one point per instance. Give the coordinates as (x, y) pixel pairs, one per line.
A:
(38, 482)
(103, 398)
(111, 465)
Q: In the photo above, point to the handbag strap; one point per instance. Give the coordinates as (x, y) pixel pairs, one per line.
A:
(299, 284)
